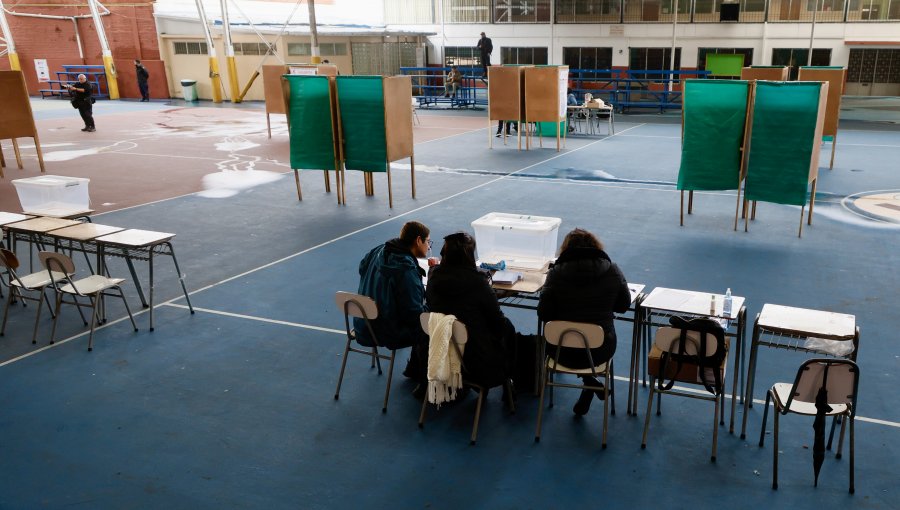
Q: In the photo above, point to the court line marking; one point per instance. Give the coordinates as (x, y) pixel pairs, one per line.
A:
(341, 332)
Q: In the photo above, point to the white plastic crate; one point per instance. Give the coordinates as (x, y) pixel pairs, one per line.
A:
(522, 241)
(53, 195)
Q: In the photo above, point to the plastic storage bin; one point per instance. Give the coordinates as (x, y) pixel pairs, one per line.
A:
(523, 241)
(53, 195)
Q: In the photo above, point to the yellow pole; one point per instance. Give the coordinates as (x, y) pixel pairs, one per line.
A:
(214, 77)
(233, 80)
(14, 62)
(111, 82)
(229, 55)
(108, 65)
(314, 33)
(10, 45)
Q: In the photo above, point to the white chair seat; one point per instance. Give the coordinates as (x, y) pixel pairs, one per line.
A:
(551, 364)
(783, 392)
(91, 285)
(38, 280)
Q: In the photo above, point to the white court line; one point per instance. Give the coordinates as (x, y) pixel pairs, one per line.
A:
(340, 332)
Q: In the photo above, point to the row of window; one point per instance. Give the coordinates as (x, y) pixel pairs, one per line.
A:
(637, 11)
(294, 49)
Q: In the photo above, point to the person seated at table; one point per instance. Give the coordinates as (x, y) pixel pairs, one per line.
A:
(456, 287)
(452, 81)
(571, 100)
(390, 274)
(584, 285)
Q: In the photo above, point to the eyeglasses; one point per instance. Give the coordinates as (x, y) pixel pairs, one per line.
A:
(430, 243)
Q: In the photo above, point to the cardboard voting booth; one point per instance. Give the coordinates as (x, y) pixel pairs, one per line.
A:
(275, 88)
(545, 98)
(16, 118)
(506, 98)
(768, 73)
(376, 128)
(712, 162)
(835, 76)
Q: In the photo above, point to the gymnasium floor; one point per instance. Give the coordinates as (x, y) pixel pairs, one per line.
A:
(233, 407)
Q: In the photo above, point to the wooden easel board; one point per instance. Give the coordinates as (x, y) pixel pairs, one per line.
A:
(769, 73)
(312, 132)
(397, 117)
(16, 118)
(787, 123)
(545, 93)
(274, 89)
(714, 117)
(506, 92)
(835, 77)
(361, 104)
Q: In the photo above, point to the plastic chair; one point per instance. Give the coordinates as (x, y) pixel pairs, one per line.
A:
(458, 339)
(839, 378)
(576, 335)
(363, 307)
(19, 285)
(688, 354)
(93, 287)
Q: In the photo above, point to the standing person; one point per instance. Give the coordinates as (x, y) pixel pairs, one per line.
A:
(456, 287)
(509, 123)
(83, 100)
(584, 285)
(485, 47)
(391, 275)
(142, 76)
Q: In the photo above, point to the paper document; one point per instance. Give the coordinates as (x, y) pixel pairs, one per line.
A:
(507, 277)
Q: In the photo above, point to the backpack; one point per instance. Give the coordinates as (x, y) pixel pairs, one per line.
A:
(709, 331)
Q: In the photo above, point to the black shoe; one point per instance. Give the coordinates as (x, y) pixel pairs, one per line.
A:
(91, 129)
(590, 381)
(419, 391)
(583, 405)
(498, 135)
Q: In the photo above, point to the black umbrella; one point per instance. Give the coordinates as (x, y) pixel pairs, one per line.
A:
(822, 409)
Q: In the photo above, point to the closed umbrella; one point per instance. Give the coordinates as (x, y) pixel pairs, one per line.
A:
(822, 409)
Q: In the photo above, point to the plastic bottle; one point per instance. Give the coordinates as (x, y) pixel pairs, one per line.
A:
(712, 305)
(726, 304)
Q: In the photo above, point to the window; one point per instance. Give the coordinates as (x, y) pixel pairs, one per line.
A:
(462, 56)
(588, 11)
(382, 58)
(587, 58)
(873, 10)
(534, 56)
(796, 57)
(521, 11)
(409, 12)
(653, 59)
(325, 49)
(251, 48)
(703, 52)
(190, 48)
(467, 11)
(874, 66)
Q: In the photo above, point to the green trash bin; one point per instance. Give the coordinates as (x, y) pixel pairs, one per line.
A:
(189, 90)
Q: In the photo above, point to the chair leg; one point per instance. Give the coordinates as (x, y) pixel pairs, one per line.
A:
(422, 413)
(9, 299)
(762, 430)
(775, 451)
(37, 317)
(719, 404)
(834, 422)
(127, 308)
(841, 438)
(647, 416)
(95, 308)
(606, 403)
(337, 390)
(852, 457)
(611, 388)
(387, 391)
(537, 432)
(56, 318)
(376, 359)
(481, 392)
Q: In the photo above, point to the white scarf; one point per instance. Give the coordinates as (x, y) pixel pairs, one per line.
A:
(444, 366)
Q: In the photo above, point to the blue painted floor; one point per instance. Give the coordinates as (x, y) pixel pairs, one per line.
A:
(232, 407)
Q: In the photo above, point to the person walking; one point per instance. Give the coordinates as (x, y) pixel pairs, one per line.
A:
(82, 100)
(142, 76)
(485, 48)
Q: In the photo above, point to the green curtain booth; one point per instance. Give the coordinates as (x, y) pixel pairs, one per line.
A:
(311, 133)
(782, 141)
(361, 103)
(715, 114)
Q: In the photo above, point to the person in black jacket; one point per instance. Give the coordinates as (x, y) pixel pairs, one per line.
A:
(456, 287)
(485, 48)
(82, 100)
(142, 76)
(584, 286)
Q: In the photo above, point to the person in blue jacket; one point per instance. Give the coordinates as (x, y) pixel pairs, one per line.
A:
(391, 275)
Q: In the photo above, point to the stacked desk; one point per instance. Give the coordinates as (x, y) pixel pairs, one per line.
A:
(591, 114)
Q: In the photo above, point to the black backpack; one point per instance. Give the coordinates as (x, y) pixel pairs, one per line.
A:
(710, 331)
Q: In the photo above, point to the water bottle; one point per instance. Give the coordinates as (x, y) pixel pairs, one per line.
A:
(712, 305)
(726, 304)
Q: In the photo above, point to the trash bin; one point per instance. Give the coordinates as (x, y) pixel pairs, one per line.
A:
(189, 90)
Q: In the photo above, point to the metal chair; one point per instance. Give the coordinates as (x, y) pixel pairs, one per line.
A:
(458, 339)
(686, 355)
(576, 335)
(93, 287)
(363, 307)
(839, 379)
(20, 285)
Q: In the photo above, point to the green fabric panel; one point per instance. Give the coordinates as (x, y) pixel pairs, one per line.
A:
(724, 64)
(715, 112)
(547, 129)
(361, 100)
(312, 137)
(782, 141)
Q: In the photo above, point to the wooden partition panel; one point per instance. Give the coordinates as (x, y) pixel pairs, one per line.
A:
(835, 77)
(545, 93)
(770, 73)
(398, 126)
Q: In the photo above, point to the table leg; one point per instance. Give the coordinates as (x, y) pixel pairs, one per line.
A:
(751, 375)
(137, 282)
(634, 367)
(150, 265)
(738, 353)
(180, 278)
